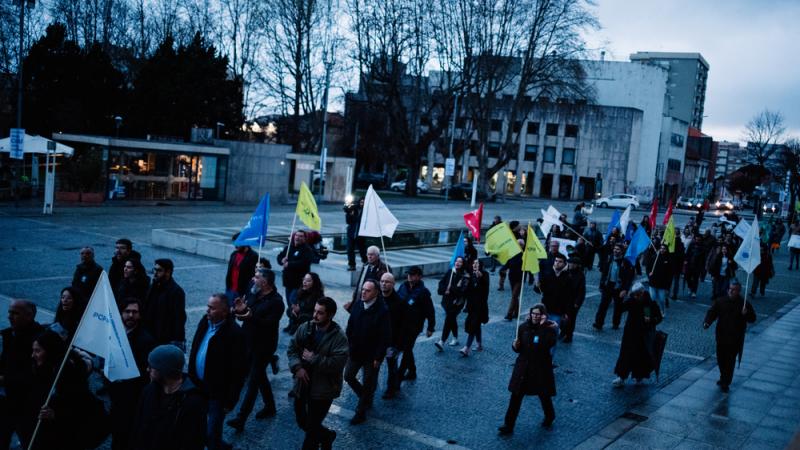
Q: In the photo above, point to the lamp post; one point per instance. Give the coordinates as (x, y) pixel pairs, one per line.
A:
(219, 124)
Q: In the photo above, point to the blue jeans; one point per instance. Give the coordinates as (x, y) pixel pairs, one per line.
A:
(216, 416)
(660, 296)
(557, 319)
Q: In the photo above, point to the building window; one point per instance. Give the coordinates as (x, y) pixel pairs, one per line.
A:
(533, 127)
(571, 131)
(568, 156)
(676, 140)
(674, 165)
(494, 150)
(549, 155)
(530, 152)
(497, 125)
(552, 129)
(517, 126)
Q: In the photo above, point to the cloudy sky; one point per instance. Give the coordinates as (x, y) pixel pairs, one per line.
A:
(747, 43)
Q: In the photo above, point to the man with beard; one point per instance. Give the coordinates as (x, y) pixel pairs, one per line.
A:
(732, 314)
(124, 394)
(165, 313)
(317, 355)
(398, 313)
(123, 250)
(615, 283)
(557, 290)
(86, 273)
(260, 314)
(296, 261)
(420, 308)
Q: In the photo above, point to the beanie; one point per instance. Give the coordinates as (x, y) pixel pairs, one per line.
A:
(167, 359)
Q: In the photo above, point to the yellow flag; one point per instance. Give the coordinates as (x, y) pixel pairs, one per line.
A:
(669, 235)
(307, 208)
(501, 243)
(534, 251)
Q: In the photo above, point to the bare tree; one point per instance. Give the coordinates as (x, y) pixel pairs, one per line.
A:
(790, 166)
(764, 134)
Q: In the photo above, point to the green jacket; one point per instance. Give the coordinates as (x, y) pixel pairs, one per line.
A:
(327, 366)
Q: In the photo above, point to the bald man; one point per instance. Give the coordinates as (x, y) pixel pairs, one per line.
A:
(398, 315)
(372, 270)
(86, 274)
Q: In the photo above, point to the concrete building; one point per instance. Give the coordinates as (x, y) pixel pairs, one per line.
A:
(686, 83)
(697, 174)
(726, 155)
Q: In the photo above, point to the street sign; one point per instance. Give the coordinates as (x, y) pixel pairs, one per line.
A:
(449, 167)
(17, 143)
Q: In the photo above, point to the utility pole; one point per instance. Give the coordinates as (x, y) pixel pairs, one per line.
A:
(449, 178)
(327, 60)
(17, 175)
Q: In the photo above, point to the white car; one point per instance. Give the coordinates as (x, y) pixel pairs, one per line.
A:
(618, 201)
(400, 186)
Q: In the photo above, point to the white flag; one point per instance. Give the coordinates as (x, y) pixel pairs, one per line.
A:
(101, 332)
(749, 255)
(741, 229)
(549, 218)
(376, 219)
(624, 219)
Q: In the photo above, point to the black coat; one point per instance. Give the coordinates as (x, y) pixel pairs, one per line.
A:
(299, 264)
(85, 277)
(370, 272)
(420, 308)
(636, 350)
(225, 365)
(558, 293)
(165, 312)
(625, 276)
(578, 288)
(661, 267)
(477, 307)
(135, 287)
(369, 331)
(261, 330)
(398, 313)
(716, 266)
(533, 369)
(115, 272)
(246, 270)
(457, 282)
(15, 363)
(731, 323)
(125, 394)
(176, 421)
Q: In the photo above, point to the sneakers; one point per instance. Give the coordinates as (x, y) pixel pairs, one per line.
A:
(464, 351)
(453, 342)
(618, 382)
(439, 345)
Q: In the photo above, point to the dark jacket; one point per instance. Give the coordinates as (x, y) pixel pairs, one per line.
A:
(325, 369)
(420, 309)
(165, 312)
(85, 278)
(766, 269)
(125, 394)
(557, 292)
(695, 257)
(636, 350)
(453, 288)
(578, 288)
(369, 331)
(731, 323)
(533, 369)
(246, 270)
(300, 259)
(370, 272)
(477, 307)
(661, 268)
(135, 287)
(15, 362)
(398, 313)
(261, 330)
(176, 421)
(716, 267)
(225, 364)
(118, 265)
(305, 300)
(625, 276)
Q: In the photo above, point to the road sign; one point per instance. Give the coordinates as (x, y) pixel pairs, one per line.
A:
(449, 167)
(17, 143)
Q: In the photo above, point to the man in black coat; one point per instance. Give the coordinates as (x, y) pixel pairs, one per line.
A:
(123, 251)
(217, 364)
(615, 283)
(352, 216)
(260, 313)
(595, 238)
(420, 308)
(578, 288)
(165, 309)
(86, 274)
(172, 412)
(124, 394)
(732, 314)
(241, 266)
(557, 290)
(373, 269)
(296, 261)
(16, 368)
(369, 334)
(398, 313)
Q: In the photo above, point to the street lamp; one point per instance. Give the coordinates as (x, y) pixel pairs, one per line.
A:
(219, 124)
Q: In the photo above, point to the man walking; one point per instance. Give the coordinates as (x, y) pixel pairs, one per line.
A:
(317, 355)
(241, 265)
(732, 314)
(373, 269)
(165, 316)
(398, 313)
(352, 216)
(615, 283)
(369, 333)
(296, 260)
(86, 274)
(420, 308)
(578, 287)
(557, 290)
(594, 240)
(260, 314)
(217, 365)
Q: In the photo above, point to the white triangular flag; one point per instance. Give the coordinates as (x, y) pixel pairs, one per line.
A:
(624, 219)
(102, 333)
(549, 218)
(376, 219)
(749, 254)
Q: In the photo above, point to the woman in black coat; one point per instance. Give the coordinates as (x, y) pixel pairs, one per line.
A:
(533, 370)
(134, 283)
(477, 307)
(636, 350)
(470, 252)
(305, 298)
(453, 289)
(723, 269)
(70, 308)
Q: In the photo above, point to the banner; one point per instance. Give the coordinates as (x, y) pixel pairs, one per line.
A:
(741, 229)
(639, 243)
(749, 254)
(254, 232)
(534, 251)
(653, 213)
(668, 214)
(307, 208)
(563, 245)
(669, 236)
(376, 219)
(501, 243)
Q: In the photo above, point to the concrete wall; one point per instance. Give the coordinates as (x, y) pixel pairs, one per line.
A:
(255, 169)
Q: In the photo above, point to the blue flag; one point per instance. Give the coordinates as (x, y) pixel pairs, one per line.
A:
(614, 223)
(459, 251)
(630, 231)
(638, 245)
(254, 232)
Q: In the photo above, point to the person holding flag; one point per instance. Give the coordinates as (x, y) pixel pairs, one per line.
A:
(477, 307)
(615, 283)
(295, 259)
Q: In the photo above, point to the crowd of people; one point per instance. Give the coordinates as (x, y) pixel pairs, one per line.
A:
(182, 400)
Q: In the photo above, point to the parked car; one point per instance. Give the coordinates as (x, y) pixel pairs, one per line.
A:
(377, 180)
(724, 204)
(463, 191)
(771, 208)
(618, 201)
(400, 186)
(685, 202)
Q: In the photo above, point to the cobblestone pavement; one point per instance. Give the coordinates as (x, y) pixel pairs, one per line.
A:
(455, 401)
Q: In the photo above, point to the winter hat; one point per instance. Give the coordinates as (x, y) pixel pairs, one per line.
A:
(167, 359)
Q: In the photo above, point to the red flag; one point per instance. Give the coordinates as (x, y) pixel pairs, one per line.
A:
(473, 220)
(668, 214)
(653, 213)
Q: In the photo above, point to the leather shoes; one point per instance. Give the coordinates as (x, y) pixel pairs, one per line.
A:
(237, 424)
(265, 413)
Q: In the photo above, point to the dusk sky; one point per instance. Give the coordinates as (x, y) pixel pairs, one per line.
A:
(748, 45)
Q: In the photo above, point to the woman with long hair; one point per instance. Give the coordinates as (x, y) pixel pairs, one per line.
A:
(305, 298)
(453, 289)
(71, 306)
(477, 307)
(470, 252)
(134, 282)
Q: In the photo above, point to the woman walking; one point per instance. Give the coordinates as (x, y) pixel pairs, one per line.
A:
(477, 307)
(763, 272)
(453, 289)
(305, 298)
(722, 269)
(635, 352)
(533, 370)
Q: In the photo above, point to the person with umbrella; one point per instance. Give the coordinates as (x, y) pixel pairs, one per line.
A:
(636, 350)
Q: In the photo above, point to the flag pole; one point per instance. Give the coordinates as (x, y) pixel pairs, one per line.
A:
(519, 307)
(380, 231)
(63, 363)
(289, 247)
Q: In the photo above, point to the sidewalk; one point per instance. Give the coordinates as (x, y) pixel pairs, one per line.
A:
(762, 410)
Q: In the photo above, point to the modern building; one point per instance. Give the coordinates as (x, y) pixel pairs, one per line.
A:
(727, 152)
(687, 77)
(698, 176)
